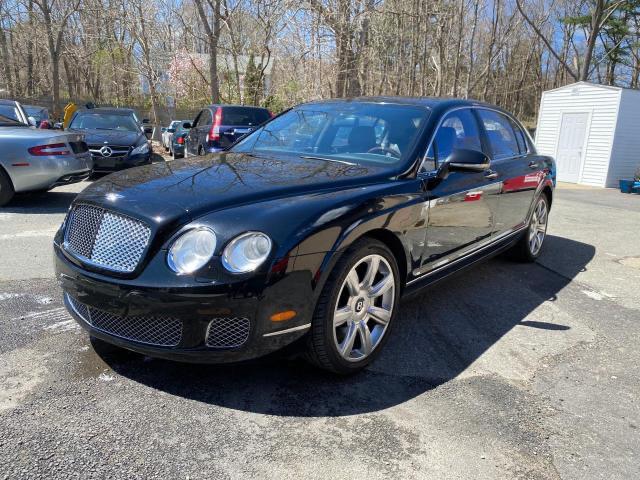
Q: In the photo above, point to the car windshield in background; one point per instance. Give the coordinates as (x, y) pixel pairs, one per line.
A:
(10, 112)
(104, 121)
(36, 113)
(355, 133)
(244, 116)
(9, 122)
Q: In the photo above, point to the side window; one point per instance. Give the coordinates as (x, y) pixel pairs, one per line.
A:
(458, 130)
(500, 134)
(207, 119)
(521, 138)
(196, 122)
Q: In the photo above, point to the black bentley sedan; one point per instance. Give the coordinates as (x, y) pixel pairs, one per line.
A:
(309, 229)
(115, 136)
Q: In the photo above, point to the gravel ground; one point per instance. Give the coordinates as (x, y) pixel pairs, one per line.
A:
(509, 371)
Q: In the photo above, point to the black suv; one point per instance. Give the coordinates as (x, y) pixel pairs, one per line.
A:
(217, 126)
(115, 136)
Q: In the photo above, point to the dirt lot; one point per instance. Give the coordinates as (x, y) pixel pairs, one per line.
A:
(509, 371)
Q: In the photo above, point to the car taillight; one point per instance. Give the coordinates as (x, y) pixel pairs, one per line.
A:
(51, 149)
(214, 132)
(180, 141)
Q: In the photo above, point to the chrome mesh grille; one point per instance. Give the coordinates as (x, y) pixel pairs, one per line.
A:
(227, 332)
(106, 239)
(157, 330)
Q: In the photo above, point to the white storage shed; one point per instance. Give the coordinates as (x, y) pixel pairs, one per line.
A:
(593, 132)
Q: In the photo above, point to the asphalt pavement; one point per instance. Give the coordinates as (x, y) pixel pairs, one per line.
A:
(508, 371)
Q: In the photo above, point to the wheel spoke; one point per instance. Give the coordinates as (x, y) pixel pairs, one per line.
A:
(381, 287)
(353, 283)
(365, 338)
(372, 269)
(347, 344)
(380, 315)
(342, 315)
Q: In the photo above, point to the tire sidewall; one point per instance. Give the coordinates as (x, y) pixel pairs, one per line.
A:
(352, 256)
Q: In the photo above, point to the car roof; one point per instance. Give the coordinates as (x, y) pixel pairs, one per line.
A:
(225, 105)
(7, 102)
(113, 111)
(34, 107)
(428, 102)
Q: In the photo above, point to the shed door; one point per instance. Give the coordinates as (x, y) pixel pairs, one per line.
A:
(570, 146)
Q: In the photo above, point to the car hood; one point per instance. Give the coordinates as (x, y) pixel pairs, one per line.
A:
(110, 137)
(219, 181)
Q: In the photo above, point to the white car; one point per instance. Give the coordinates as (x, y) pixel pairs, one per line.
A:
(167, 133)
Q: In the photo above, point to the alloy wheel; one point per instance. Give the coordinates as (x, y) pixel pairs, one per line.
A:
(538, 227)
(364, 308)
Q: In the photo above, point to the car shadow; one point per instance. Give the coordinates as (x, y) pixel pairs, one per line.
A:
(40, 203)
(438, 334)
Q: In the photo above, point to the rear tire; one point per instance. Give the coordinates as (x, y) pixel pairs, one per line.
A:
(356, 309)
(6, 188)
(529, 247)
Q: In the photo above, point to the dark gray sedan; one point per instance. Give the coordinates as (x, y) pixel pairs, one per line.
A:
(38, 160)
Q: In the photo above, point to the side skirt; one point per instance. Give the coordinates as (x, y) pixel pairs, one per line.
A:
(430, 278)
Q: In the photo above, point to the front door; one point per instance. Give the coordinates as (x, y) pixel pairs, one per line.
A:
(569, 155)
(463, 206)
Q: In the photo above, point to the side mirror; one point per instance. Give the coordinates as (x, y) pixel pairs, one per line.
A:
(32, 121)
(164, 129)
(468, 160)
(186, 125)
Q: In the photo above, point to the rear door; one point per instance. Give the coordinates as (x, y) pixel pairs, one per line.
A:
(462, 206)
(238, 121)
(514, 160)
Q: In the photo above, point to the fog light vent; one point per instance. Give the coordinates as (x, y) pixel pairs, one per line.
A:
(228, 332)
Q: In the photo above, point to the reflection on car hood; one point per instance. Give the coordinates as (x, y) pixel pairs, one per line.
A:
(119, 138)
(218, 181)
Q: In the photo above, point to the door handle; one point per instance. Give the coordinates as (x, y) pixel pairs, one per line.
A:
(533, 164)
(490, 175)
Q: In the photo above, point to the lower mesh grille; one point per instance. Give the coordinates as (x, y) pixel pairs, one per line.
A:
(157, 330)
(227, 332)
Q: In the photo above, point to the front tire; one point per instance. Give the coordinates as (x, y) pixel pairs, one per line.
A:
(356, 309)
(6, 188)
(529, 247)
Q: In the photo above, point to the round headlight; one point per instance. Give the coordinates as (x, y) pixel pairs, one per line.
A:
(192, 250)
(246, 252)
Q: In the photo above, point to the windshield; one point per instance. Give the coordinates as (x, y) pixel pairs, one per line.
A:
(36, 112)
(104, 121)
(360, 133)
(10, 111)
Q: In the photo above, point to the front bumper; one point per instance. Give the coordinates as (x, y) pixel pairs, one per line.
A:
(195, 306)
(113, 164)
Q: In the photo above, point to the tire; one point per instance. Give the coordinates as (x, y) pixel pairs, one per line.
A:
(342, 348)
(528, 248)
(6, 188)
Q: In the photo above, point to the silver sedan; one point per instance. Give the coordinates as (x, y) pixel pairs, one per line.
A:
(38, 160)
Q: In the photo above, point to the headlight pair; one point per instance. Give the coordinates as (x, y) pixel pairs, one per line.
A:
(193, 249)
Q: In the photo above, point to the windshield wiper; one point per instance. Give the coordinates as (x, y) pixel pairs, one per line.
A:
(311, 157)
